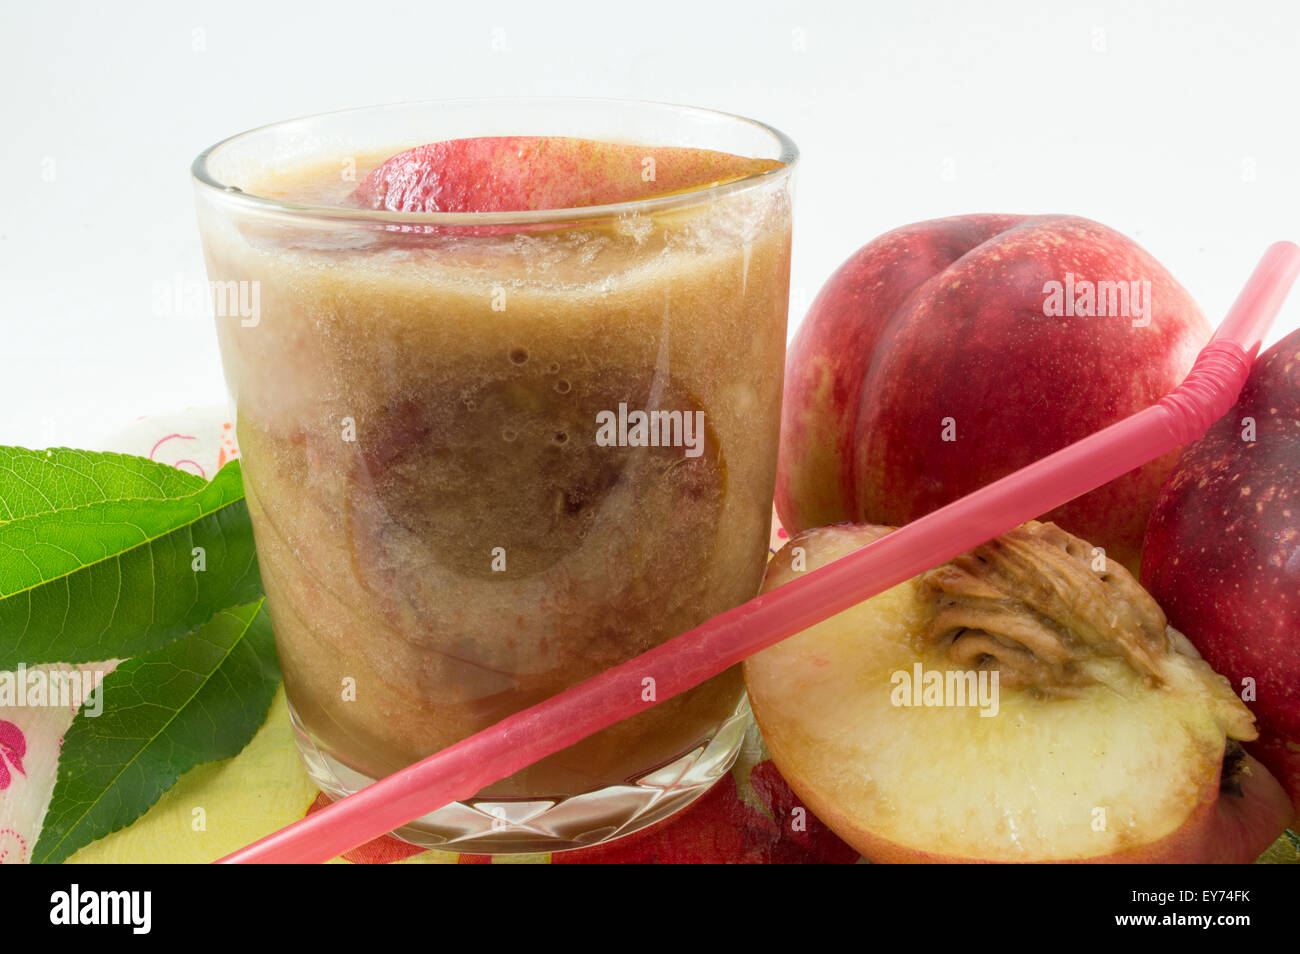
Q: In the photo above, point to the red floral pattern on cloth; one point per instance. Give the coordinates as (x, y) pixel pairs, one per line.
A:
(13, 746)
(13, 847)
(30, 738)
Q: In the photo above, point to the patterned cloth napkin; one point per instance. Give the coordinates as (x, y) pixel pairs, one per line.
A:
(751, 815)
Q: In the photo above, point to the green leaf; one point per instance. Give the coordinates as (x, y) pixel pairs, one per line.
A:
(195, 700)
(112, 578)
(38, 481)
(1284, 851)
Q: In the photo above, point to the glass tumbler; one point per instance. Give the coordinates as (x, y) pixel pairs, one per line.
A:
(489, 455)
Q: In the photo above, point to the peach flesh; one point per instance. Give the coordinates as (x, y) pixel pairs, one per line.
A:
(1152, 757)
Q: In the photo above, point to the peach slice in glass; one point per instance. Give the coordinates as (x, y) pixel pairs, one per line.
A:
(532, 173)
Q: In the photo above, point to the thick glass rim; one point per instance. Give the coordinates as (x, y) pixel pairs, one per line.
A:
(200, 171)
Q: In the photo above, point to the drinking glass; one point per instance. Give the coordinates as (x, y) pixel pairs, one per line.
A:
(489, 455)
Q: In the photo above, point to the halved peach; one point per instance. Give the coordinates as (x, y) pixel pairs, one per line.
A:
(1102, 735)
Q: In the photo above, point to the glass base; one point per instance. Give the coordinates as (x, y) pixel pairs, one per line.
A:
(526, 826)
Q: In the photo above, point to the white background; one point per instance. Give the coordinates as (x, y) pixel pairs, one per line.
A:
(1177, 125)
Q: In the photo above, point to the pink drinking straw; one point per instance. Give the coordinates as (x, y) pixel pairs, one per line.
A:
(463, 769)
